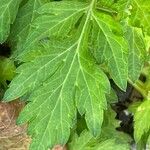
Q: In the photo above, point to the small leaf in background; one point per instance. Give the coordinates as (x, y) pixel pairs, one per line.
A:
(140, 15)
(110, 144)
(118, 9)
(142, 120)
(8, 12)
(133, 107)
(109, 139)
(87, 142)
(7, 70)
(109, 128)
(112, 97)
(83, 142)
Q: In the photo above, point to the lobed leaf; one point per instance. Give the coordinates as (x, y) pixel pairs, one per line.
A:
(141, 119)
(110, 144)
(61, 78)
(61, 45)
(86, 142)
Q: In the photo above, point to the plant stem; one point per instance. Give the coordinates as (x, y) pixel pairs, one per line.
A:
(138, 87)
(106, 10)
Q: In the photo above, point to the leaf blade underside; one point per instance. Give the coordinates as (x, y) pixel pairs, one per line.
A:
(61, 78)
(111, 48)
(62, 46)
(137, 55)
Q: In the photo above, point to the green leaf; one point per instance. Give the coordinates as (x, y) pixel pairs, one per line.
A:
(133, 106)
(61, 77)
(64, 48)
(110, 144)
(119, 9)
(109, 123)
(83, 142)
(49, 21)
(8, 11)
(141, 119)
(137, 55)
(110, 47)
(7, 69)
(23, 24)
(140, 15)
(112, 97)
(109, 128)
(86, 142)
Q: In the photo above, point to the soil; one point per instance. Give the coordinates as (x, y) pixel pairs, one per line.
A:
(13, 137)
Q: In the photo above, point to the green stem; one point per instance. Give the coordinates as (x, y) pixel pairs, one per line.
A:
(106, 10)
(93, 3)
(138, 87)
